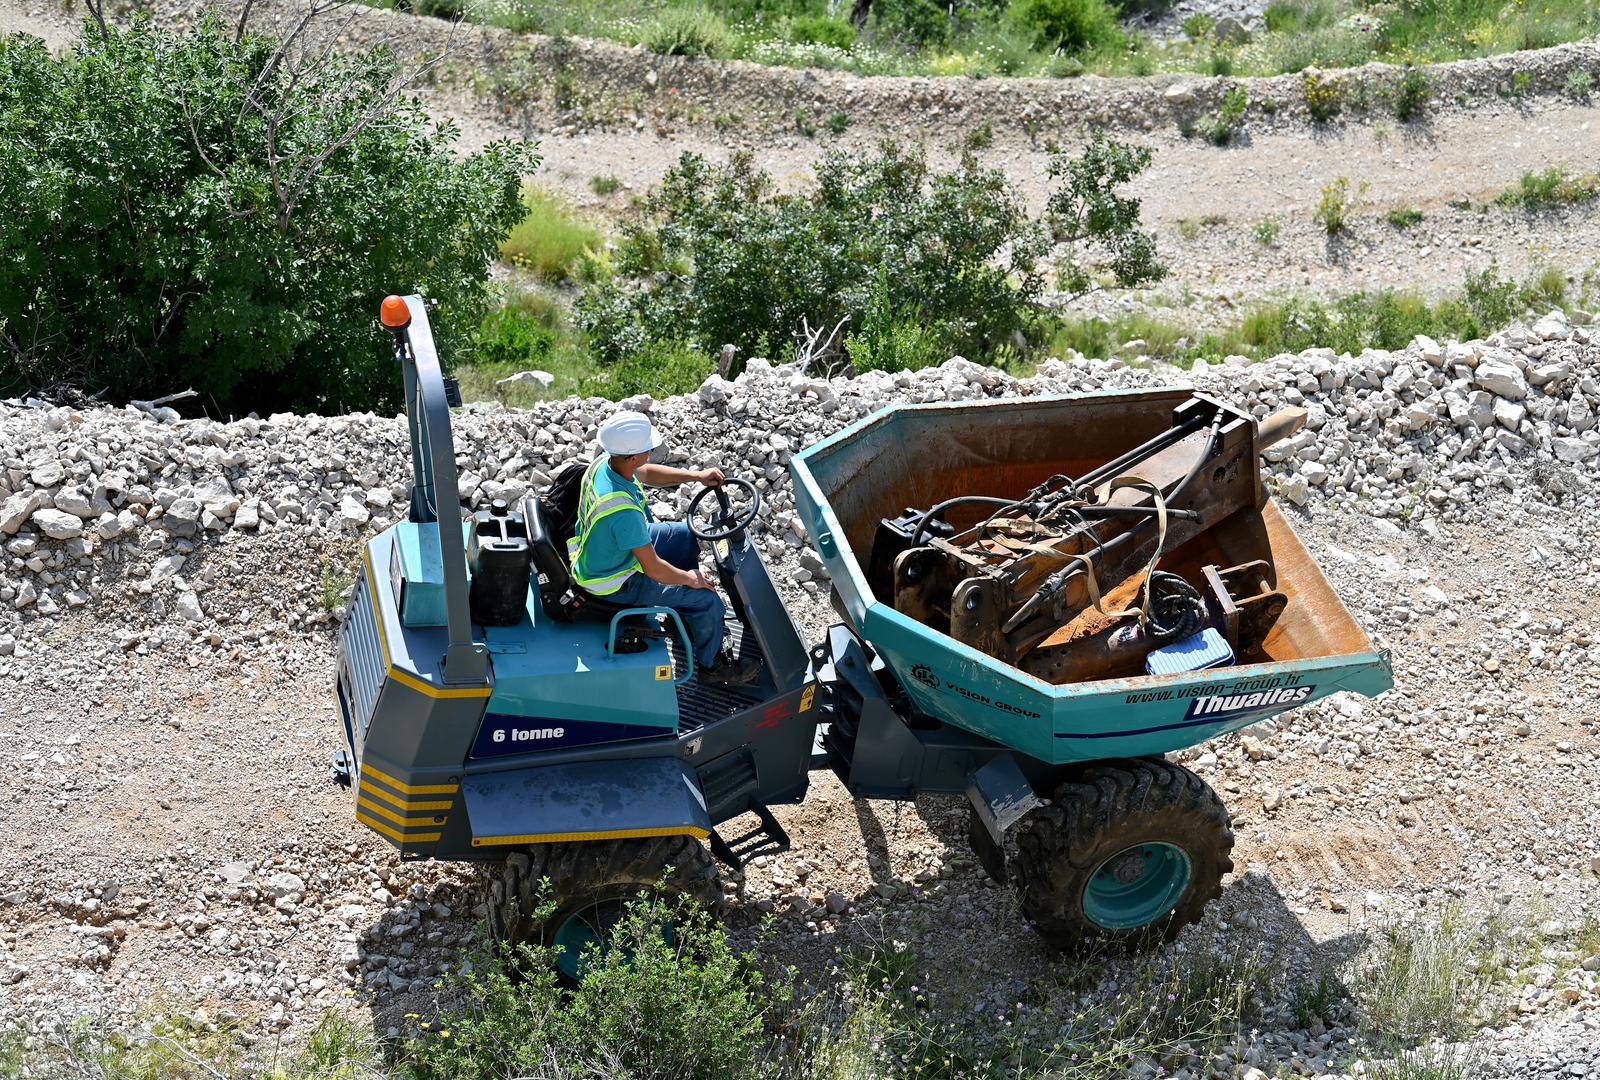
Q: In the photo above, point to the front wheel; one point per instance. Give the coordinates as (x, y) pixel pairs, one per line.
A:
(570, 895)
(1128, 852)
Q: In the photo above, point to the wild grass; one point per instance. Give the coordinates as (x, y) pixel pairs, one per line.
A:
(337, 581)
(1385, 319)
(1420, 983)
(179, 1046)
(1554, 187)
(1050, 38)
(686, 1003)
(552, 240)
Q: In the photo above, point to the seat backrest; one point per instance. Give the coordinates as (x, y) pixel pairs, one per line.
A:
(550, 568)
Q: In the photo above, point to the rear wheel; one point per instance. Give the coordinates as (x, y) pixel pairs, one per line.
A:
(1128, 852)
(583, 887)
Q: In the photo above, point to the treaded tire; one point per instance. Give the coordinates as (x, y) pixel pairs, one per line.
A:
(1111, 807)
(586, 872)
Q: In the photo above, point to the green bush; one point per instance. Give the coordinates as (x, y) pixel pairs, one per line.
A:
(438, 9)
(517, 335)
(891, 340)
(1225, 125)
(551, 239)
(1086, 212)
(1412, 93)
(149, 244)
(1337, 204)
(919, 23)
(717, 256)
(689, 31)
(1551, 188)
(822, 30)
(1073, 26)
(1324, 96)
(661, 368)
(678, 1004)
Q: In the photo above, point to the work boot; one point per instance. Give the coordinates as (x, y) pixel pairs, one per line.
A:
(730, 670)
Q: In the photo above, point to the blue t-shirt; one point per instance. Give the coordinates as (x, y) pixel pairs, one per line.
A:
(610, 546)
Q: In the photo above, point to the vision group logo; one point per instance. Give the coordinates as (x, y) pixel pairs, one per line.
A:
(924, 675)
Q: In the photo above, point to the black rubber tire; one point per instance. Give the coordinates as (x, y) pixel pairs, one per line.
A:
(585, 872)
(1112, 806)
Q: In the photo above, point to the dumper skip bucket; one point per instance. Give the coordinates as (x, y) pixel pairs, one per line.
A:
(914, 456)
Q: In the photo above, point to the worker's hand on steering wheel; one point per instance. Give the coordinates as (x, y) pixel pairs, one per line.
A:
(726, 521)
(711, 478)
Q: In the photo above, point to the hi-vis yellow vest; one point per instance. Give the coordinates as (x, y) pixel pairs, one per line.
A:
(592, 507)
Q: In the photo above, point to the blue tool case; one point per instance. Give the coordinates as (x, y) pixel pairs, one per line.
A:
(1207, 649)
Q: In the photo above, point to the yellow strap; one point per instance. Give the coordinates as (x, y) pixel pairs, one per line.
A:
(1090, 580)
(1139, 482)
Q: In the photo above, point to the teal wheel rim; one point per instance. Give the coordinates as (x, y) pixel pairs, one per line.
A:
(585, 935)
(1137, 886)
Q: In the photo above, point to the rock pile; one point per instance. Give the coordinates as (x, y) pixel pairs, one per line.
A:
(1430, 429)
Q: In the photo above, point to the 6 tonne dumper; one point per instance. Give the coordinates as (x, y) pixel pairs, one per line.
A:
(1039, 598)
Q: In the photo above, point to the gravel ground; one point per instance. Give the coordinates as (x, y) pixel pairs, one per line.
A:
(165, 668)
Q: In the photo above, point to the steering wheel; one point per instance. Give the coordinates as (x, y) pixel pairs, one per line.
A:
(726, 521)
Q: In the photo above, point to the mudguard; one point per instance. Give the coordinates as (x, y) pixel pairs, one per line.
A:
(591, 800)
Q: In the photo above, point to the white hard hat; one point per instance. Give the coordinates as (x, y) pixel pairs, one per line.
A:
(627, 433)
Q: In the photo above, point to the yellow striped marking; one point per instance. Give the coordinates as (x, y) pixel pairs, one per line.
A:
(398, 674)
(404, 804)
(408, 789)
(377, 605)
(405, 678)
(395, 834)
(397, 818)
(613, 834)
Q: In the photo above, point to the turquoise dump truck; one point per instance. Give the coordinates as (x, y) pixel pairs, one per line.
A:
(1039, 599)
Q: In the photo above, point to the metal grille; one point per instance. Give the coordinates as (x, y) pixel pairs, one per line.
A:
(362, 657)
(700, 704)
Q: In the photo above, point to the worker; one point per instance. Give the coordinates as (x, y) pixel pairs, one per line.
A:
(619, 552)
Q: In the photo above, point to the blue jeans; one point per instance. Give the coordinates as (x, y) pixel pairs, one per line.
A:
(700, 609)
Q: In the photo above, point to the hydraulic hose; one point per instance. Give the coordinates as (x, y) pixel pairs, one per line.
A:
(938, 509)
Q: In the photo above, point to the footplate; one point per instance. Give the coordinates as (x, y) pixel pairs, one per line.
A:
(767, 838)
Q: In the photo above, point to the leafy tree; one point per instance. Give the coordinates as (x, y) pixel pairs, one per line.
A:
(1086, 211)
(717, 255)
(218, 210)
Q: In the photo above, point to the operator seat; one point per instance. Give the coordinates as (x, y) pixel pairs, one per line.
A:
(561, 599)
